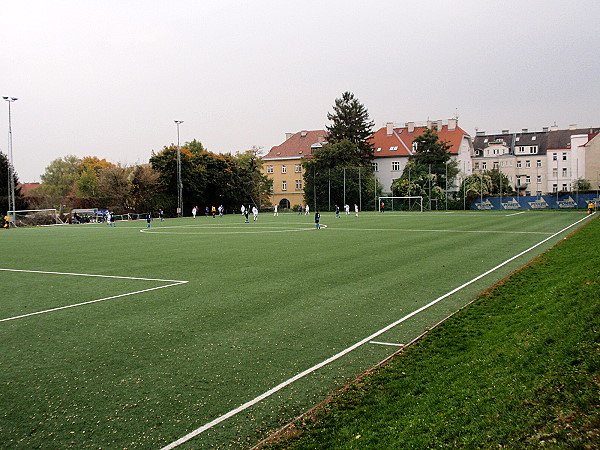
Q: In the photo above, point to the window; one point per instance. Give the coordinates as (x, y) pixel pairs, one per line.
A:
(533, 138)
(378, 149)
(393, 148)
(477, 166)
(487, 151)
(564, 172)
(414, 146)
(284, 185)
(564, 187)
(554, 187)
(298, 185)
(527, 179)
(375, 166)
(484, 165)
(554, 172)
(554, 156)
(485, 140)
(298, 168)
(269, 169)
(539, 163)
(396, 165)
(564, 156)
(495, 164)
(519, 164)
(283, 169)
(539, 179)
(527, 163)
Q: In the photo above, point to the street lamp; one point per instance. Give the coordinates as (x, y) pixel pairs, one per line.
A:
(179, 181)
(11, 176)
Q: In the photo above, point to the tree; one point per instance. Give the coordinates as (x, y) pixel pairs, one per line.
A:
(476, 185)
(259, 185)
(4, 182)
(58, 180)
(350, 121)
(335, 173)
(430, 151)
(582, 184)
(500, 182)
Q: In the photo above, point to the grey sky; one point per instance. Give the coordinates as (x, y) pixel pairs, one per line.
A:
(108, 78)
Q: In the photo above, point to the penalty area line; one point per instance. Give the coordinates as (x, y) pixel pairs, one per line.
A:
(91, 301)
(333, 358)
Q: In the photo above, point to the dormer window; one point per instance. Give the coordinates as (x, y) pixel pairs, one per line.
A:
(393, 148)
(533, 138)
(378, 149)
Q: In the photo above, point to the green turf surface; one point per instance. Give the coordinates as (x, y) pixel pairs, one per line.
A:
(263, 302)
(518, 368)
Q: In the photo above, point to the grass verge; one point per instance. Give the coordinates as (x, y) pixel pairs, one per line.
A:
(517, 368)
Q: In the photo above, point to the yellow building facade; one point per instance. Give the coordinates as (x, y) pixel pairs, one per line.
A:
(283, 165)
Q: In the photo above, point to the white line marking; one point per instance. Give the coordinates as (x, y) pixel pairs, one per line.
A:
(173, 283)
(93, 275)
(386, 343)
(445, 231)
(92, 301)
(308, 371)
(515, 214)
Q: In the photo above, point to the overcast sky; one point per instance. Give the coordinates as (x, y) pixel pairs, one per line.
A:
(108, 78)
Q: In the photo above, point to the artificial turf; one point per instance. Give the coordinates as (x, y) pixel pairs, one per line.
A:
(263, 302)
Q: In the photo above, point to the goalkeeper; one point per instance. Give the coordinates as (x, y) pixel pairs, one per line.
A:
(5, 222)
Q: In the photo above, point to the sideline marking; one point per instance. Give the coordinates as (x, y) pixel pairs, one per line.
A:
(219, 230)
(545, 233)
(386, 343)
(172, 283)
(515, 214)
(331, 359)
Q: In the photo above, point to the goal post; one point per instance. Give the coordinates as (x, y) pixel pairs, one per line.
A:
(34, 217)
(410, 203)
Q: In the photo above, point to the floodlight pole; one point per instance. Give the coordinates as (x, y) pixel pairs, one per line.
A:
(11, 175)
(179, 181)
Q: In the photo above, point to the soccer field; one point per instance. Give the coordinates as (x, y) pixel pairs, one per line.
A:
(210, 332)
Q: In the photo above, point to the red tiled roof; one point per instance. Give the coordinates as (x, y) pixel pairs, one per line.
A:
(27, 187)
(402, 139)
(298, 145)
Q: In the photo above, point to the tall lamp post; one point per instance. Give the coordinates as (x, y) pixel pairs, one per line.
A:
(11, 175)
(179, 181)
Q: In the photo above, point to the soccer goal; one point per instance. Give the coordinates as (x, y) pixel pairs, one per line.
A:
(34, 217)
(413, 203)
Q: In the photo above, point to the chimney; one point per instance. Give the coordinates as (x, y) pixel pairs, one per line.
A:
(439, 125)
(573, 126)
(505, 131)
(303, 133)
(480, 133)
(389, 128)
(452, 123)
(288, 135)
(524, 130)
(554, 127)
(544, 129)
(429, 124)
(411, 127)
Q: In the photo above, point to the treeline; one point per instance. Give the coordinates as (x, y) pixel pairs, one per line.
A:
(208, 179)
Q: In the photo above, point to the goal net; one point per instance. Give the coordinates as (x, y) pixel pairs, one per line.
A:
(414, 203)
(34, 217)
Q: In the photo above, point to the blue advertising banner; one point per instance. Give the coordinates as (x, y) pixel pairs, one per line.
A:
(568, 201)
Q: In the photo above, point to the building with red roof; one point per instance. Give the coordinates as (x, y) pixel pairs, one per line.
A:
(283, 164)
(393, 146)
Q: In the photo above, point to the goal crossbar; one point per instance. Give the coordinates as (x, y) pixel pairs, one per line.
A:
(415, 200)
